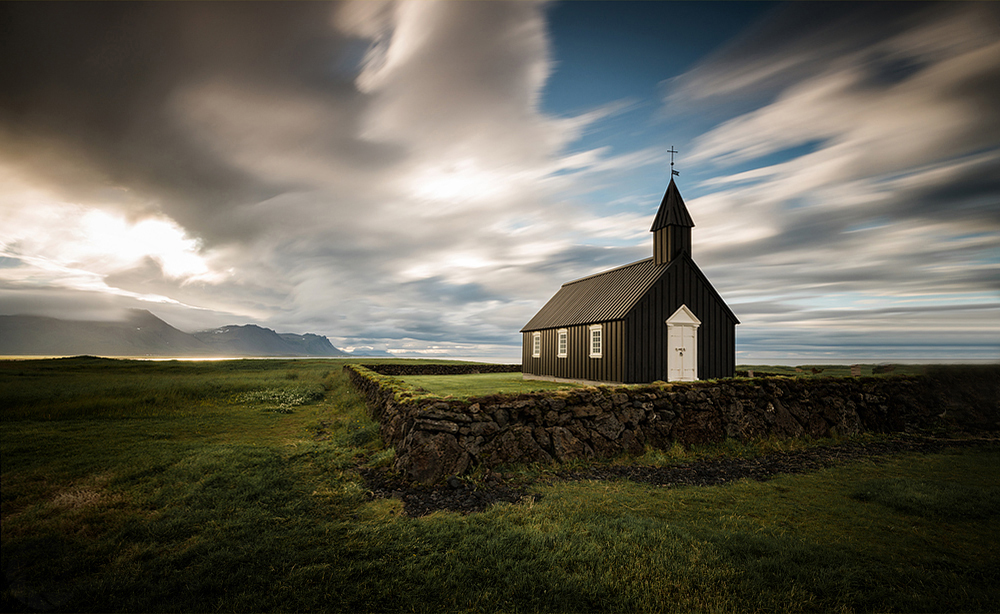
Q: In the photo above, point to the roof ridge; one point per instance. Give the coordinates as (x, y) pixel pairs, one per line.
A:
(617, 268)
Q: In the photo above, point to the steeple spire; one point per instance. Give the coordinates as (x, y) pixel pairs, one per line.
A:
(672, 226)
(672, 210)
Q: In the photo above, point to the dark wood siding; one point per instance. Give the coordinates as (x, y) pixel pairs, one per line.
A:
(578, 364)
(646, 328)
(661, 247)
(669, 242)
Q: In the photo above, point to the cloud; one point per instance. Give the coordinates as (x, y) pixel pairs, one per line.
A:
(375, 171)
(88, 92)
(867, 170)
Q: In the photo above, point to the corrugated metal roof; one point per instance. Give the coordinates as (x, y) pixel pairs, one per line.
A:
(598, 298)
(672, 210)
(610, 295)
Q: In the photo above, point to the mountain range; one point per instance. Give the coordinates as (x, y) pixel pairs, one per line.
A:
(143, 334)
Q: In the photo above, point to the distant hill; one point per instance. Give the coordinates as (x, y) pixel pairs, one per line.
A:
(253, 340)
(372, 353)
(143, 334)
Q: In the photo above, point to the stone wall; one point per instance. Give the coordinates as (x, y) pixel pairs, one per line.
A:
(436, 438)
(439, 369)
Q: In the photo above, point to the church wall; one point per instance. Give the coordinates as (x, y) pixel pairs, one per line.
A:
(646, 328)
(577, 364)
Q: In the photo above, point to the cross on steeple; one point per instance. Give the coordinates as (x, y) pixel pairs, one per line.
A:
(672, 151)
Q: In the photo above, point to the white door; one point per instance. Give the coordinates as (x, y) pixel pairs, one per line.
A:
(682, 346)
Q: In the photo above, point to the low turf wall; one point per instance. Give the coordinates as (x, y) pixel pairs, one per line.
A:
(433, 369)
(435, 438)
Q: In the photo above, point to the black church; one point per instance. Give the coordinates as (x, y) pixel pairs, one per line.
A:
(655, 319)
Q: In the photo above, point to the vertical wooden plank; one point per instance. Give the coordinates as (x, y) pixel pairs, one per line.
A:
(525, 364)
(627, 336)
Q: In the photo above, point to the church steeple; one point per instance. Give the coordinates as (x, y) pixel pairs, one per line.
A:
(672, 227)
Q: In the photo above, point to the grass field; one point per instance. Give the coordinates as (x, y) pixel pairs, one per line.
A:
(479, 384)
(137, 486)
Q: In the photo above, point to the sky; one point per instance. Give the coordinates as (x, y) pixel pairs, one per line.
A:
(421, 177)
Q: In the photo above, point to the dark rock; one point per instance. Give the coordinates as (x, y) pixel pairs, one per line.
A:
(633, 416)
(784, 422)
(473, 445)
(566, 446)
(542, 438)
(666, 416)
(481, 429)
(630, 443)
(584, 411)
(602, 447)
(578, 431)
(436, 425)
(450, 416)
(515, 445)
(817, 426)
(609, 426)
(428, 457)
(557, 404)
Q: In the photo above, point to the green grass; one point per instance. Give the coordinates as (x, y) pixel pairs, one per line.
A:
(482, 384)
(208, 500)
(479, 384)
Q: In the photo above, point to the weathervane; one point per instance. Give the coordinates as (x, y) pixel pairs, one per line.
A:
(672, 151)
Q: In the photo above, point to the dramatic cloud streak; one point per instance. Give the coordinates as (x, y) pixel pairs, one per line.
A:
(887, 187)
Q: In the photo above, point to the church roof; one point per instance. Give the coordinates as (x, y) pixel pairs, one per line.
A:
(609, 295)
(672, 210)
(598, 298)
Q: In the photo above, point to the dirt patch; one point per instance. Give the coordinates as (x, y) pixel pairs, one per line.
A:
(75, 499)
(466, 497)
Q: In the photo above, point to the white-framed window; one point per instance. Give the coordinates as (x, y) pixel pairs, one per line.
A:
(563, 343)
(536, 345)
(596, 340)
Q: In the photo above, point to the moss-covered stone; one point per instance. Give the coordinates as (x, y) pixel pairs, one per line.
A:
(606, 421)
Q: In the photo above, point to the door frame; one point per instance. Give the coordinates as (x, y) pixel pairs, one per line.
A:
(683, 317)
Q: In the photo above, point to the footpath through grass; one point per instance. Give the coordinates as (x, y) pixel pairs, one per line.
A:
(130, 486)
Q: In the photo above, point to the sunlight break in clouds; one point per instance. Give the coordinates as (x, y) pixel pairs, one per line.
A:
(72, 245)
